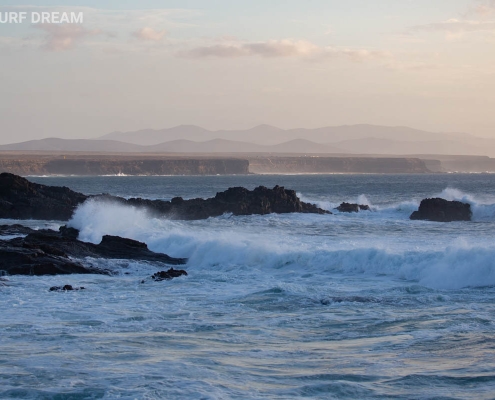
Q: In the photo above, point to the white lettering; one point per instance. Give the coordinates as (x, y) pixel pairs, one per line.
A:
(64, 19)
(45, 17)
(35, 17)
(76, 18)
(13, 18)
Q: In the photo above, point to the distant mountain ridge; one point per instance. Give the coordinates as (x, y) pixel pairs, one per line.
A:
(173, 146)
(270, 135)
(347, 139)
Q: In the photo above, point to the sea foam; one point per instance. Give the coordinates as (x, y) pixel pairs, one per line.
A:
(232, 243)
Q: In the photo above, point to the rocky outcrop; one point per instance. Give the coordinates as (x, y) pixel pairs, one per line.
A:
(19, 259)
(21, 199)
(441, 210)
(351, 207)
(14, 230)
(237, 201)
(167, 275)
(47, 252)
(111, 247)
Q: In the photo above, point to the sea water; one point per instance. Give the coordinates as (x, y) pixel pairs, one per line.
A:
(344, 306)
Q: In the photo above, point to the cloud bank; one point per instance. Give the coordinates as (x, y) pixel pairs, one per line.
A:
(149, 34)
(286, 48)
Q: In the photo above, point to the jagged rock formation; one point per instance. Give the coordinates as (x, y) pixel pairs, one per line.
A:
(441, 210)
(47, 252)
(351, 207)
(238, 201)
(21, 199)
(167, 275)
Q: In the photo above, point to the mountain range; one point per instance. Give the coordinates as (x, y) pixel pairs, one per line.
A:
(348, 139)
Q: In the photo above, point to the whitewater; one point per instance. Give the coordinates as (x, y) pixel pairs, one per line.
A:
(344, 306)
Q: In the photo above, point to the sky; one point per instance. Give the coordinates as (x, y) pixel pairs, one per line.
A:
(223, 64)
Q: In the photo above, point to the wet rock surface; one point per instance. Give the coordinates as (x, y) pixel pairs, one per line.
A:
(21, 199)
(237, 201)
(47, 252)
(65, 288)
(441, 210)
(351, 207)
(167, 275)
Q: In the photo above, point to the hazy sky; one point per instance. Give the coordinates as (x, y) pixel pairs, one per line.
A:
(224, 64)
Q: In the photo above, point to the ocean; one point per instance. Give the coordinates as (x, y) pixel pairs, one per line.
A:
(368, 305)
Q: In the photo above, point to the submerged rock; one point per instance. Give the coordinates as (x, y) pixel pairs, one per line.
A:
(167, 275)
(441, 210)
(65, 288)
(351, 207)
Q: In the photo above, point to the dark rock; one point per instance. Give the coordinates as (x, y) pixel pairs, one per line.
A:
(237, 201)
(167, 275)
(21, 199)
(348, 207)
(111, 247)
(67, 232)
(65, 288)
(15, 229)
(19, 259)
(441, 210)
(47, 252)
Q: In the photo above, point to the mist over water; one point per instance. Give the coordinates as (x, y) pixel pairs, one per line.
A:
(366, 305)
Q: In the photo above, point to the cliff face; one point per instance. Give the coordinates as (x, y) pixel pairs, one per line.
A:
(113, 166)
(336, 165)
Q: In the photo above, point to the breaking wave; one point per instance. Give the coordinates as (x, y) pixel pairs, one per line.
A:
(218, 244)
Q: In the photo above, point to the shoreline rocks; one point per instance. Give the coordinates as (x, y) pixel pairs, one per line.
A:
(47, 252)
(21, 199)
(441, 210)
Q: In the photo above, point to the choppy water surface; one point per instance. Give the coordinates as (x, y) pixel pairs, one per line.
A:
(368, 305)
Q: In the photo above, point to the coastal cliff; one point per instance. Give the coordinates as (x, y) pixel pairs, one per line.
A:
(116, 165)
(359, 165)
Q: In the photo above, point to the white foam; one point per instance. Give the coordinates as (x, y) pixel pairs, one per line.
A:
(238, 243)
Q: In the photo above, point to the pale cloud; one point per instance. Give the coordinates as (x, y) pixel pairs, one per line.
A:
(270, 48)
(456, 26)
(487, 8)
(412, 66)
(357, 55)
(149, 34)
(282, 49)
(64, 37)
